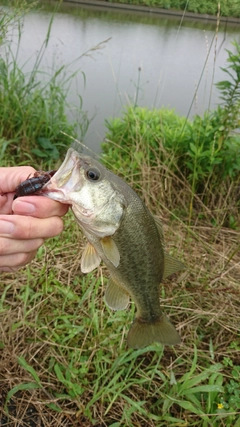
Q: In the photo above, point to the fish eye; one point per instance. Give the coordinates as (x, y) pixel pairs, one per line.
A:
(93, 174)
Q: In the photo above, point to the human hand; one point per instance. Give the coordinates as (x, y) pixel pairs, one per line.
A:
(25, 222)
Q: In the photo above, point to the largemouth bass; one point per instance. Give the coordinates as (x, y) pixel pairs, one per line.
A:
(123, 234)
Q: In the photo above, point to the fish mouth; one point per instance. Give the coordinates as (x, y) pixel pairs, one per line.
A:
(67, 178)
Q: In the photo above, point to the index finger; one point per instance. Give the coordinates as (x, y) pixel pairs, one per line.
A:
(28, 228)
(38, 206)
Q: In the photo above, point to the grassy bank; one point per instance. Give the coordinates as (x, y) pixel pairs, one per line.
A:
(34, 105)
(64, 360)
(63, 352)
(211, 7)
(198, 158)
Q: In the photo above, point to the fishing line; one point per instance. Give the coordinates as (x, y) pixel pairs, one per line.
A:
(182, 18)
(77, 145)
(215, 37)
(203, 69)
(215, 56)
(199, 81)
(204, 65)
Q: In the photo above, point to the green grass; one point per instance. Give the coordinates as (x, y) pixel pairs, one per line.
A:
(33, 114)
(198, 160)
(211, 7)
(67, 350)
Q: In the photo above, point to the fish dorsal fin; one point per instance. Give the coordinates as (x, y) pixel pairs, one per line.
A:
(171, 265)
(111, 251)
(90, 259)
(115, 296)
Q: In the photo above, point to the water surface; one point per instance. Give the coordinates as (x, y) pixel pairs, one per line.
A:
(149, 60)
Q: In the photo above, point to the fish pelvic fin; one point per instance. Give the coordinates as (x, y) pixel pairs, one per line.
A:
(115, 296)
(111, 251)
(90, 259)
(143, 333)
(171, 265)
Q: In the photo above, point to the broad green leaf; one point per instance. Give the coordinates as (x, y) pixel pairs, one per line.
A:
(167, 403)
(39, 153)
(185, 385)
(204, 389)
(193, 148)
(45, 143)
(189, 407)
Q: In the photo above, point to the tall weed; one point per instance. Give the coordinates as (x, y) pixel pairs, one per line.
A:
(33, 109)
(203, 155)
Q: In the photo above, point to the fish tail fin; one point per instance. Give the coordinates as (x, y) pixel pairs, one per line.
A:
(143, 333)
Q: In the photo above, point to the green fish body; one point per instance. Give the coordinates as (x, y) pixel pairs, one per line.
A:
(123, 234)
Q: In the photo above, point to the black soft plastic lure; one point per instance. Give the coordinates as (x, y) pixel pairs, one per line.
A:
(33, 185)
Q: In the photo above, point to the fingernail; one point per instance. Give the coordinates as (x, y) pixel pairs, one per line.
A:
(23, 208)
(6, 227)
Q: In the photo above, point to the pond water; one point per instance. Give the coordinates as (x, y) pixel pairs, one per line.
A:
(149, 60)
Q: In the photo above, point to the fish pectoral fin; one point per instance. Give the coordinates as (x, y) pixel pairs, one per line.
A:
(143, 333)
(111, 251)
(171, 265)
(115, 296)
(90, 259)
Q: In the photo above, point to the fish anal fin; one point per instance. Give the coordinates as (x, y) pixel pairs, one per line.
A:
(115, 296)
(111, 251)
(90, 259)
(143, 333)
(171, 265)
